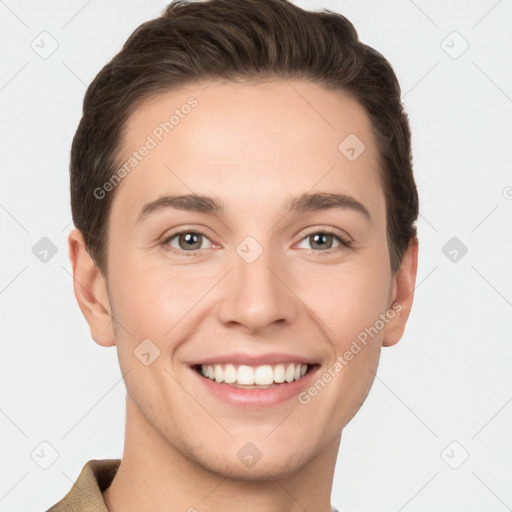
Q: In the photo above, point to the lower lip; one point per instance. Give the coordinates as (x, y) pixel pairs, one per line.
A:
(257, 398)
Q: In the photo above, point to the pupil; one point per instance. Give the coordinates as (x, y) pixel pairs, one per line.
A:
(322, 237)
(189, 240)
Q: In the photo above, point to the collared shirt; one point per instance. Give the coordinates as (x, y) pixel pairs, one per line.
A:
(85, 495)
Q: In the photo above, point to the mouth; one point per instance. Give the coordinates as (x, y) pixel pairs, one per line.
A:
(255, 377)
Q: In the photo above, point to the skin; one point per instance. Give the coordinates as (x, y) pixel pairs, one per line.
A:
(253, 146)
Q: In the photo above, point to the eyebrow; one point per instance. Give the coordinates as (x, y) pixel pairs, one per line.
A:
(207, 204)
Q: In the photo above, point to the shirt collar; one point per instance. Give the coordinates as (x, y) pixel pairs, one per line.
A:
(85, 495)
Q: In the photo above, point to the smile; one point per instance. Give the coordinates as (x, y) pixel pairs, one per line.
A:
(297, 377)
(253, 377)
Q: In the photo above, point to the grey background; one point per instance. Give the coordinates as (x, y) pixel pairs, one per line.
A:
(444, 392)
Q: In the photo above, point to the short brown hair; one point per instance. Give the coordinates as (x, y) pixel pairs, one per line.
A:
(239, 40)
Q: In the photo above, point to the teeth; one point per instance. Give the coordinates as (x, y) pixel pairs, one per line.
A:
(219, 373)
(264, 375)
(245, 375)
(229, 374)
(290, 373)
(254, 375)
(279, 373)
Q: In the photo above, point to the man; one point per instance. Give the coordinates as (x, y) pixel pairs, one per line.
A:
(245, 211)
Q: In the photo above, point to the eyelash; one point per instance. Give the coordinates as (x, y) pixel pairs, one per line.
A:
(343, 242)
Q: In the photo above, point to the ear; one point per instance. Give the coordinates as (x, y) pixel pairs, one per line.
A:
(403, 291)
(90, 291)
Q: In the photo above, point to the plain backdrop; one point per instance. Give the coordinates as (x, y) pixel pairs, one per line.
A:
(435, 432)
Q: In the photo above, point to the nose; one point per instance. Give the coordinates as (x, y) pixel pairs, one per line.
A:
(258, 294)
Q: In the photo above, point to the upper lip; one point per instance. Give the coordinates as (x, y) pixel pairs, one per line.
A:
(254, 359)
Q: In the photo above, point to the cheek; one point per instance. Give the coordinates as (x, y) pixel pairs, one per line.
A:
(153, 311)
(349, 305)
(348, 299)
(151, 301)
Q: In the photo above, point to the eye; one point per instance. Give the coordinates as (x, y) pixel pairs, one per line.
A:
(188, 242)
(322, 241)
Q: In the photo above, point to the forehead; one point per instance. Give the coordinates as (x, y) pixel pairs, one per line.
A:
(248, 143)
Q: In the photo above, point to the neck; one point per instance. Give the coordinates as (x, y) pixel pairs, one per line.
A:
(159, 476)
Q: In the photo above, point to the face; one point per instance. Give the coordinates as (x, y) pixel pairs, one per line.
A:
(278, 256)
